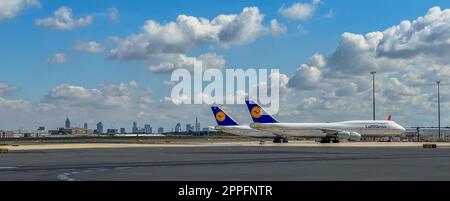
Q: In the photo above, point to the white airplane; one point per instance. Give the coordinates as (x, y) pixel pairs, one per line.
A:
(328, 132)
(226, 124)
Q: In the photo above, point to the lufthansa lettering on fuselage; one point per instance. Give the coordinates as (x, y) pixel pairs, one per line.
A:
(376, 126)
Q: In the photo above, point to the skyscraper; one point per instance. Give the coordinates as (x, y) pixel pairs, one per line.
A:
(122, 130)
(197, 125)
(178, 128)
(100, 127)
(85, 126)
(160, 130)
(67, 122)
(134, 128)
(189, 128)
(148, 128)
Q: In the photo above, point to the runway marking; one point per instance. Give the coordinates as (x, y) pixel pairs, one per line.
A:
(67, 176)
(122, 168)
(63, 176)
(98, 169)
(7, 168)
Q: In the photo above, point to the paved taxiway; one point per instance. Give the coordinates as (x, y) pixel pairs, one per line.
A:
(228, 163)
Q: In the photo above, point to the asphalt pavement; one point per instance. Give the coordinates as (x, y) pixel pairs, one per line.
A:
(228, 163)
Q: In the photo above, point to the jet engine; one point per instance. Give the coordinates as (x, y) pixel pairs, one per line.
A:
(351, 136)
(343, 135)
(354, 136)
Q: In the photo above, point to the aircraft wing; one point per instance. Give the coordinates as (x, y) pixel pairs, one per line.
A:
(269, 128)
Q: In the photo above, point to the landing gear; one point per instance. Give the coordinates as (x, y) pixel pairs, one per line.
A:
(276, 140)
(280, 139)
(325, 140)
(329, 140)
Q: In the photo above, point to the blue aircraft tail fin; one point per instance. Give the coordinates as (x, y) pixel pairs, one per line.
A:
(222, 118)
(259, 115)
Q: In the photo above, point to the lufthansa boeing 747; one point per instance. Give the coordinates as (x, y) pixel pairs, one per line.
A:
(328, 132)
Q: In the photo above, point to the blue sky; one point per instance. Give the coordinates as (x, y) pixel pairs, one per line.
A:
(26, 46)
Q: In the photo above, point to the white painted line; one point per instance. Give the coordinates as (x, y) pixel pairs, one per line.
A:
(6, 168)
(66, 176)
(122, 168)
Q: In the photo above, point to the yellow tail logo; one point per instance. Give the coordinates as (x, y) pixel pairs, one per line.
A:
(256, 112)
(220, 116)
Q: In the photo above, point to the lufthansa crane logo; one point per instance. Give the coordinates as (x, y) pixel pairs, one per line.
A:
(256, 112)
(220, 116)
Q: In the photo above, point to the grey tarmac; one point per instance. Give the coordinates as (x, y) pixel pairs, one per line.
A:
(224, 163)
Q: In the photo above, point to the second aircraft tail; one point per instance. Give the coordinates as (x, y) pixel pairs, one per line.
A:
(259, 115)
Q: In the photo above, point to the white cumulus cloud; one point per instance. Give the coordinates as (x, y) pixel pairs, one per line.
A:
(306, 77)
(6, 89)
(11, 8)
(18, 104)
(63, 19)
(276, 27)
(88, 46)
(189, 32)
(299, 10)
(58, 58)
(409, 57)
(108, 96)
(208, 60)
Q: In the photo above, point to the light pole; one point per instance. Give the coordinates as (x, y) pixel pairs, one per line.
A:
(439, 109)
(373, 95)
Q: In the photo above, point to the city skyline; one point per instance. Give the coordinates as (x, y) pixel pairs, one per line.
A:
(90, 62)
(134, 127)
